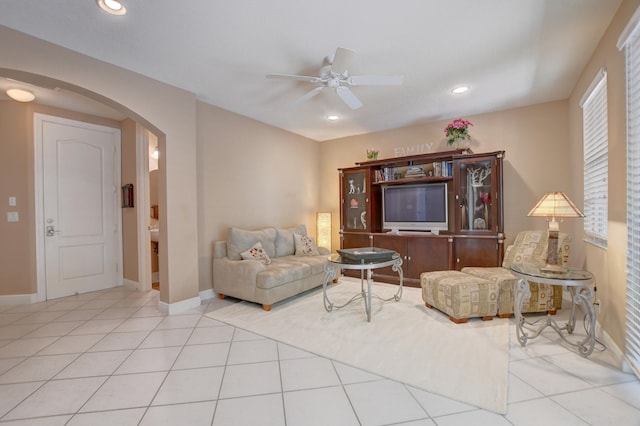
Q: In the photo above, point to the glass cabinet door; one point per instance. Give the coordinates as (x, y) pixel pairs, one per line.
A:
(476, 194)
(355, 201)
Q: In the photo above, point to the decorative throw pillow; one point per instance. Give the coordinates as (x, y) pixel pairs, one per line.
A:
(256, 253)
(305, 246)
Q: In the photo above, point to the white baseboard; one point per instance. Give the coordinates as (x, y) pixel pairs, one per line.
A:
(178, 307)
(19, 299)
(207, 294)
(616, 352)
(135, 285)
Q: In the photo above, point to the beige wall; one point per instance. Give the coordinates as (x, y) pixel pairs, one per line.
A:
(17, 272)
(608, 265)
(534, 138)
(250, 175)
(168, 112)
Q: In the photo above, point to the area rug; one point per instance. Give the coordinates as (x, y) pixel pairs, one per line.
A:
(405, 341)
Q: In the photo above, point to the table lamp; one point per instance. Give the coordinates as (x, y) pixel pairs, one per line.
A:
(553, 205)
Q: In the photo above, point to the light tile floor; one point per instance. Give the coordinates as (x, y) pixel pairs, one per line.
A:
(111, 358)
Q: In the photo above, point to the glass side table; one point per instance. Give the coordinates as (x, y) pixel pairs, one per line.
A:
(365, 266)
(578, 282)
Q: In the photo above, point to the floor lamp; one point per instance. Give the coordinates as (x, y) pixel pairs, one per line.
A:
(551, 206)
(323, 229)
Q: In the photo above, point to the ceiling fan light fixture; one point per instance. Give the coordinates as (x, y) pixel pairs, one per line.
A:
(458, 90)
(338, 78)
(114, 7)
(20, 95)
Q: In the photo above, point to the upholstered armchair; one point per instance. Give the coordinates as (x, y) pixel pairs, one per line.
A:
(528, 247)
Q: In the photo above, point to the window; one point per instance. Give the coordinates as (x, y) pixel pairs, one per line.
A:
(596, 160)
(630, 41)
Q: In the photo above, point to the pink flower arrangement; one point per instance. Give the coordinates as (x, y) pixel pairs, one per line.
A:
(457, 129)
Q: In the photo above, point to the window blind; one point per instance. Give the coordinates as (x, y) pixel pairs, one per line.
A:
(632, 58)
(596, 161)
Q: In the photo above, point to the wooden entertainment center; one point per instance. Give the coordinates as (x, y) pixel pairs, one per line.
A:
(475, 225)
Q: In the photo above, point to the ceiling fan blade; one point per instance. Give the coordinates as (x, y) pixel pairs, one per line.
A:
(341, 60)
(296, 77)
(375, 80)
(309, 95)
(348, 97)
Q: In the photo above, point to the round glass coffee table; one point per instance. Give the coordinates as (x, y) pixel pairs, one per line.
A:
(365, 266)
(577, 281)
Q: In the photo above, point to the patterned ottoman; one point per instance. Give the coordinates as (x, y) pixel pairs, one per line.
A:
(460, 295)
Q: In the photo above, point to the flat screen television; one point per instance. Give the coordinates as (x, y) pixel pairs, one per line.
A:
(415, 207)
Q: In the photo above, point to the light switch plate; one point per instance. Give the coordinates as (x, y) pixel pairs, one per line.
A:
(12, 217)
(12, 201)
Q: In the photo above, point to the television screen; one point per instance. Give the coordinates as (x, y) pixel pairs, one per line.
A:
(420, 207)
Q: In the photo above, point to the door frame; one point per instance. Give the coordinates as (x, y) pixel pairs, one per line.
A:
(144, 209)
(38, 120)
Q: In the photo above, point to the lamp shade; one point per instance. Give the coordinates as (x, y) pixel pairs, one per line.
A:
(555, 204)
(323, 231)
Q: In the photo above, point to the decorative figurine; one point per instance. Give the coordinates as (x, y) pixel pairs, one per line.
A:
(363, 220)
(352, 187)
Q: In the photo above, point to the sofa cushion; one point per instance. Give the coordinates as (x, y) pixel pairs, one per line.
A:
(532, 247)
(281, 272)
(528, 247)
(256, 253)
(316, 263)
(285, 245)
(305, 246)
(241, 240)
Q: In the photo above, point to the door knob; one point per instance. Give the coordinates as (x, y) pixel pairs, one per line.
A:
(50, 230)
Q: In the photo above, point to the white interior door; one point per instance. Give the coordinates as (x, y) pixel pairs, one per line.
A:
(80, 170)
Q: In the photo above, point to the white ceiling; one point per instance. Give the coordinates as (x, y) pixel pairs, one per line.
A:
(511, 53)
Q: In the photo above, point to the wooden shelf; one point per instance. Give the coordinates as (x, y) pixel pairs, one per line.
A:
(405, 181)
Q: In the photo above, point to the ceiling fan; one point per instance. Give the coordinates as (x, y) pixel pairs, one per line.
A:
(336, 76)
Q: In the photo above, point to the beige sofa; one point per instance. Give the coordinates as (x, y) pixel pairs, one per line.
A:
(283, 264)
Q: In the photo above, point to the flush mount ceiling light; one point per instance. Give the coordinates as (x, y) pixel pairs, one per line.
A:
(113, 7)
(458, 90)
(20, 95)
(333, 117)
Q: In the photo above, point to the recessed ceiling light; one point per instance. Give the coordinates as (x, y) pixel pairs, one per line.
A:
(333, 117)
(20, 95)
(113, 7)
(458, 90)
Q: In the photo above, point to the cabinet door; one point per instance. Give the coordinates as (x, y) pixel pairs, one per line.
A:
(395, 243)
(427, 254)
(478, 195)
(476, 252)
(354, 199)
